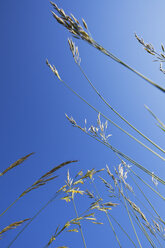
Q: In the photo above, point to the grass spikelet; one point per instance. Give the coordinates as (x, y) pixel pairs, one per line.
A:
(54, 70)
(18, 162)
(108, 185)
(58, 18)
(89, 194)
(74, 18)
(110, 204)
(137, 209)
(13, 226)
(41, 181)
(62, 247)
(73, 26)
(46, 177)
(73, 230)
(79, 181)
(85, 24)
(89, 174)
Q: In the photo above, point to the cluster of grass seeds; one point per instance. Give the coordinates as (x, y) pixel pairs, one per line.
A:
(12, 226)
(117, 180)
(77, 59)
(18, 162)
(159, 57)
(96, 135)
(40, 182)
(81, 32)
(117, 185)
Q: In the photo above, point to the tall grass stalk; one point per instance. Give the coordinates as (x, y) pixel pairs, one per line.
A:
(108, 218)
(134, 128)
(125, 203)
(77, 31)
(82, 235)
(126, 157)
(128, 236)
(112, 148)
(33, 218)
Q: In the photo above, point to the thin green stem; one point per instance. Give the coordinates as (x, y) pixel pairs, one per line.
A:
(147, 200)
(106, 52)
(9, 206)
(112, 148)
(143, 180)
(113, 229)
(75, 209)
(135, 219)
(107, 215)
(122, 229)
(33, 218)
(125, 203)
(141, 226)
(127, 158)
(103, 99)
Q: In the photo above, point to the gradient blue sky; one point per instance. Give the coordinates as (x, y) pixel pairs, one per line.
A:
(33, 104)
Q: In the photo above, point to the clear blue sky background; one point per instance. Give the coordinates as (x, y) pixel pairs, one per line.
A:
(33, 105)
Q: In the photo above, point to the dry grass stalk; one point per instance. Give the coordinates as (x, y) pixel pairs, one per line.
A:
(123, 176)
(107, 185)
(75, 221)
(89, 194)
(75, 52)
(150, 49)
(13, 225)
(46, 177)
(62, 247)
(77, 31)
(18, 162)
(72, 24)
(97, 132)
(137, 209)
(99, 205)
(111, 175)
(54, 70)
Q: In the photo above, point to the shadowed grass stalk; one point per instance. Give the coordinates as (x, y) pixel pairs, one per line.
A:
(77, 31)
(75, 54)
(40, 182)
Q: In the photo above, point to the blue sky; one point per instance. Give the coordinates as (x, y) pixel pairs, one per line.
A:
(33, 106)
